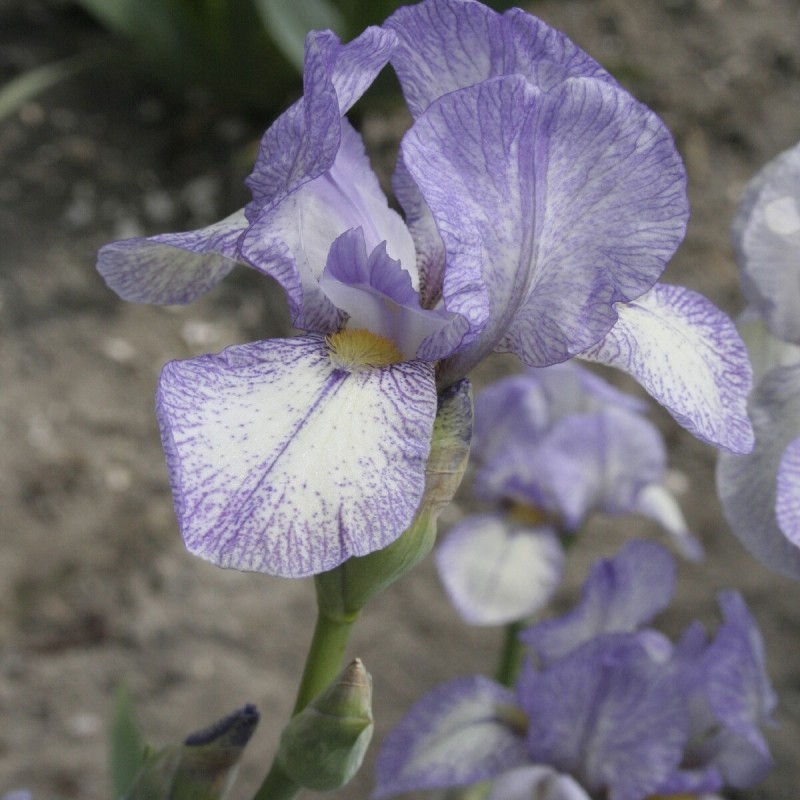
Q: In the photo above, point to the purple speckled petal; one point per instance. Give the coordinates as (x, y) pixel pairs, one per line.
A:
(456, 735)
(496, 570)
(536, 783)
(376, 293)
(597, 462)
(290, 242)
(585, 205)
(766, 234)
(748, 485)
(689, 357)
(281, 464)
(608, 715)
(619, 595)
(172, 268)
(658, 503)
(302, 143)
(445, 45)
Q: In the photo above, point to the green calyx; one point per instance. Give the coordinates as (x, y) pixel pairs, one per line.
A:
(323, 746)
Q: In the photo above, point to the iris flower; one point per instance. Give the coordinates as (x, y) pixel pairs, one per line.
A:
(541, 204)
(552, 446)
(760, 492)
(604, 708)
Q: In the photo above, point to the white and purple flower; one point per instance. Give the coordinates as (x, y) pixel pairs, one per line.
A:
(552, 446)
(760, 492)
(541, 202)
(604, 708)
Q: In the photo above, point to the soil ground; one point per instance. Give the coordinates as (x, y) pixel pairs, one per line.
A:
(95, 586)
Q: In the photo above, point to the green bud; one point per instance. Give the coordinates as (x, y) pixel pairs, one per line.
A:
(344, 591)
(323, 746)
(202, 768)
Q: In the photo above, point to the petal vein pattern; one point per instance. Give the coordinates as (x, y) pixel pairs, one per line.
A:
(552, 206)
(281, 464)
(689, 357)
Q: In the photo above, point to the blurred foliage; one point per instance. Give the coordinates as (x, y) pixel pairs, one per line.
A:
(247, 53)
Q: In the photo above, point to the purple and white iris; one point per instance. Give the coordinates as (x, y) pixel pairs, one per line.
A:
(541, 202)
(760, 492)
(604, 708)
(552, 446)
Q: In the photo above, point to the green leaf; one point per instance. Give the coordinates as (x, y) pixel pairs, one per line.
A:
(288, 22)
(127, 745)
(35, 81)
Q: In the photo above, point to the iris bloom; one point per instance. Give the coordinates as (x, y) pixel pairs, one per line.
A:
(541, 202)
(760, 492)
(552, 445)
(604, 707)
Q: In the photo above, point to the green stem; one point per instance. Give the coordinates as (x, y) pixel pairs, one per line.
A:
(323, 663)
(277, 785)
(512, 655)
(324, 657)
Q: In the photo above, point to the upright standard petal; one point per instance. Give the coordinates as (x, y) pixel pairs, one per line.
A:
(302, 143)
(585, 204)
(281, 463)
(291, 240)
(172, 268)
(740, 695)
(689, 357)
(749, 487)
(446, 45)
(619, 595)
(766, 235)
(460, 733)
(609, 715)
(498, 570)
(596, 462)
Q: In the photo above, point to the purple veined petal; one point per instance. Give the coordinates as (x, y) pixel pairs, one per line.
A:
(766, 235)
(456, 735)
(376, 293)
(498, 571)
(535, 783)
(291, 240)
(280, 463)
(748, 485)
(739, 694)
(598, 462)
(657, 502)
(608, 715)
(619, 596)
(787, 502)
(551, 206)
(172, 268)
(445, 45)
(303, 142)
(689, 357)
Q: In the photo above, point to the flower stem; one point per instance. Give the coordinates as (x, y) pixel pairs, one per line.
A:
(324, 657)
(277, 785)
(512, 654)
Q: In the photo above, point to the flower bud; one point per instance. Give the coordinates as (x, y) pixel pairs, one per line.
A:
(203, 767)
(323, 746)
(344, 591)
